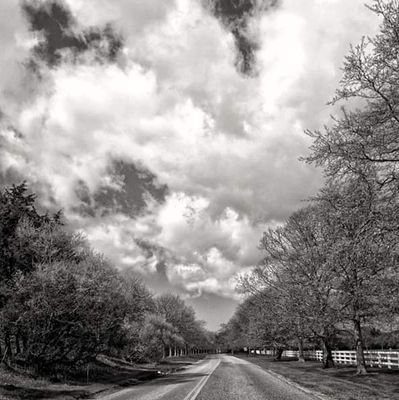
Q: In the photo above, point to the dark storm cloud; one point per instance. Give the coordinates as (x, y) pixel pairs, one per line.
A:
(59, 32)
(134, 187)
(137, 184)
(236, 16)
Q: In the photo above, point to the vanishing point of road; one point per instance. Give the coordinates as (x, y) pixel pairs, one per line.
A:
(218, 377)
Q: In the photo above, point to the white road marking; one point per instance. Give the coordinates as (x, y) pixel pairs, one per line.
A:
(198, 387)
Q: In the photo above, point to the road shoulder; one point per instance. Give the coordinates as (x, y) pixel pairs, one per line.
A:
(313, 393)
(340, 383)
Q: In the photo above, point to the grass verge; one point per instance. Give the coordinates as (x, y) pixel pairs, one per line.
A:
(106, 375)
(340, 383)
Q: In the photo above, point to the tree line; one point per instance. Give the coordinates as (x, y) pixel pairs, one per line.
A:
(329, 276)
(62, 303)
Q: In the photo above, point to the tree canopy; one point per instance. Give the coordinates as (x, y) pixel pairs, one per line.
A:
(62, 304)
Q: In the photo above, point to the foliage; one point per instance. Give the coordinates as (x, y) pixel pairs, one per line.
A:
(67, 313)
(159, 335)
(62, 304)
(182, 317)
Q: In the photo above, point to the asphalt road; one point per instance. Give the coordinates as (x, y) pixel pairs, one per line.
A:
(218, 377)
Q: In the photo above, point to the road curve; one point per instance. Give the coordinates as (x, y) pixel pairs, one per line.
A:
(218, 377)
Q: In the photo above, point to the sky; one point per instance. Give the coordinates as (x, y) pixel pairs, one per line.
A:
(169, 131)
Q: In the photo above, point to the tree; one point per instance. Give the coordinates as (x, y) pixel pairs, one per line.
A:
(182, 317)
(67, 313)
(158, 334)
(16, 205)
(263, 316)
(27, 238)
(138, 304)
(231, 336)
(366, 135)
(361, 254)
(359, 152)
(62, 304)
(295, 282)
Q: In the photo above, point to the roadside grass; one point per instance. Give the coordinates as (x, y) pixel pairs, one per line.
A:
(106, 375)
(14, 385)
(340, 383)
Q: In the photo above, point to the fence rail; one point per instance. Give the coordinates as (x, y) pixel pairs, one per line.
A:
(374, 358)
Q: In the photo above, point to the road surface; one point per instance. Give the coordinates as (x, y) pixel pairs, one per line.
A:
(218, 377)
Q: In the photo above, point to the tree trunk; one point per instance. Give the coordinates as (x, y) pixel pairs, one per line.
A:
(360, 361)
(301, 354)
(17, 343)
(279, 353)
(328, 360)
(24, 343)
(8, 345)
(170, 351)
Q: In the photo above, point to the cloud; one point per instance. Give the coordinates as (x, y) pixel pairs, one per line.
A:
(207, 156)
(55, 28)
(241, 18)
(16, 43)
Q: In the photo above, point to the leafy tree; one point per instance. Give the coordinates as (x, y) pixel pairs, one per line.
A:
(15, 205)
(62, 304)
(158, 334)
(26, 239)
(182, 317)
(231, 335)
(67, 313)
(138, 304)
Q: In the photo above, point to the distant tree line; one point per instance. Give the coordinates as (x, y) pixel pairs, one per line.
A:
(329, 276)
(62, 304)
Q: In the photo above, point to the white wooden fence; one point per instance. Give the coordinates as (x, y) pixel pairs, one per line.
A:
(374, 358)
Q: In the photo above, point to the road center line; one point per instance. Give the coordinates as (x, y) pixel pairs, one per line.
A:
(196, 390)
